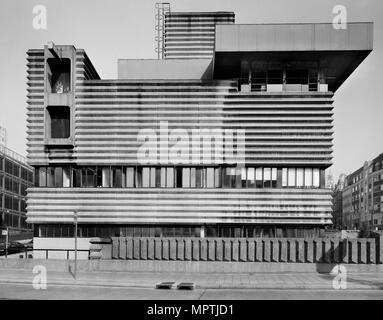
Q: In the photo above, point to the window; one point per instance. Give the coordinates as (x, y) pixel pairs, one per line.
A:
(58, 122)
(178, 177)
(117, 177)
(316, 178)
(258, 178)
(291, 177)
(267, 177)
(300, 177)
(275, 76)
(210, 177)
(308, 177)
(170, 177)
(251, 177)
(186, 178)
(58, 75)
(145, 177)
(130, 177)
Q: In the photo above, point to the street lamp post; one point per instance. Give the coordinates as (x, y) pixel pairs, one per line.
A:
(75, 244)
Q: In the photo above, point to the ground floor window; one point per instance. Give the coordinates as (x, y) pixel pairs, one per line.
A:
(208, 231)
(177, 177)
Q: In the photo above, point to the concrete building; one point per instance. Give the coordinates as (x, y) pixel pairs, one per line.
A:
(362, 197)
(233, 143)
(15, 178)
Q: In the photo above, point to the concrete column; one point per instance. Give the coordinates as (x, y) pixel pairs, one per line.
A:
(211, 250)
(136, 248)
(319, 250)
(259, 250)
(115, 249)
(151, 249)
(267, 250)
(301, 250)
(292, 253)
(227, 250)
(188, 249)
(310, 250)
(235, 250)
(122, 248)
(158, 249)
(372, 251)
(144, 248)
(180, 249)
(165, 249)
(354, 250)
(243, 250)
(251, 250)
(219, 250)
(195, 250)
(344, 250)
(173, 249)
(203, 250)
(363, 250)
(129, 248)
(283, 250)
(275, 250)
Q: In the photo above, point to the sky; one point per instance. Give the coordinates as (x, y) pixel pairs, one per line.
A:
(114, 29)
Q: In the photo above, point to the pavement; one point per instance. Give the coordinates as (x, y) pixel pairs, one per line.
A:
(256, 280)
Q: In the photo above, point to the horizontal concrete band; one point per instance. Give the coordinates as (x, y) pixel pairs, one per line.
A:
(180, 266)
(161, 205)
(280, 128)
(242, 250)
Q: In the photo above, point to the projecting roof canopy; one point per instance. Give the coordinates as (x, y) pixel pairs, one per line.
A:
(339, 51)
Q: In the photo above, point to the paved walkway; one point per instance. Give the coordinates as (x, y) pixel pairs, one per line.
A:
(285, 280)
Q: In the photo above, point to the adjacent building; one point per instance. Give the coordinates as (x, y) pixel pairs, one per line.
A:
(16, 176)
(361, 203)
(228, 136)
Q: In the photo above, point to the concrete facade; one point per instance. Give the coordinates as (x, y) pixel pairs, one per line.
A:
(129, 157)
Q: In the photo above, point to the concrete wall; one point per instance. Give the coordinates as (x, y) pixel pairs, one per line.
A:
(140, 69)
(314, 250)
(60, 248)
(293, 37)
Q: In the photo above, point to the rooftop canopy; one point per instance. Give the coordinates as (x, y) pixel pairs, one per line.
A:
(337, 52)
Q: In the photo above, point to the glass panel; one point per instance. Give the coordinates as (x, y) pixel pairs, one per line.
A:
(163, 178)
(250, 177)
(58, 177)
(284, 177)
(158, 178)
(170, 177)
(308, 177)
(186, 178)
(145, 177)
(139, 177)
(291, 181)
(66, 177)
(106, 177)
(42, 177)
(300, 177)
(179, 177)
(192, 178)
(130, 177)
(217, 178)
(50, 177)
(274, 177)
(267, 177)
(199, 178)
(152, 177)
(316, 178)
(258, 178)
(210, 177)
